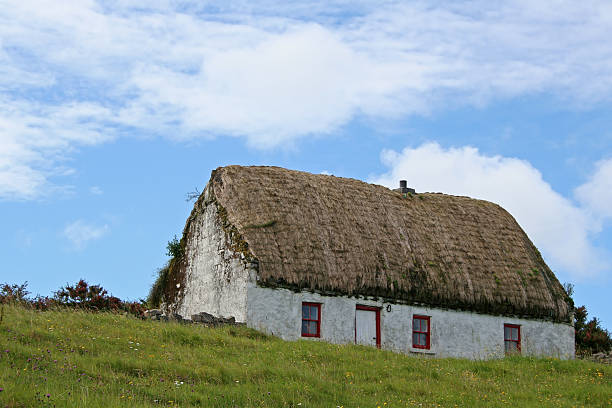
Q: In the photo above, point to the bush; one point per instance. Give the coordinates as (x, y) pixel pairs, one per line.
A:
(156, 293)
(14, 293)
(42, 303)
(590, 336)
(158, 290)
(87, 296)
(174, 248)
(82, 295)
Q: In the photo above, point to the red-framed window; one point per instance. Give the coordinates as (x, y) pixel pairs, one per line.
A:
(311, 319)
(421, 330)
(512, 338)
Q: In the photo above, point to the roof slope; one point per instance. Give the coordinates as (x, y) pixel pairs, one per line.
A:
(331, 234)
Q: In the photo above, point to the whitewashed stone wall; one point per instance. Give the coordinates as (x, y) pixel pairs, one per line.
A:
(216, 278)
(453, 333)
(218, 282)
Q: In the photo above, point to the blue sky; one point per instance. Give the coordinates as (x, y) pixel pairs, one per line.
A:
(110, 112)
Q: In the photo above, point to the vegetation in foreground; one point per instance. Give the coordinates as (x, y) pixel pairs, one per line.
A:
(72, 358)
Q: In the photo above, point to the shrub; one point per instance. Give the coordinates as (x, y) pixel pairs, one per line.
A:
(174, 248)
(590, 336)
(159, 290)
(81, 295)
(13, 293)
(42, 303)
(87, 296)
(156, 293)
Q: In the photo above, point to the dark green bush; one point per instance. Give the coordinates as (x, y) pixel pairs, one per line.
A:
(590, 336)
(156, 293)
(174, 248)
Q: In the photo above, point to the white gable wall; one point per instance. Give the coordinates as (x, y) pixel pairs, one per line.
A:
(453, 333)
(216, 278)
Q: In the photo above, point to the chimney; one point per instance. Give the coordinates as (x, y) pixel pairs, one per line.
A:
(404, 189)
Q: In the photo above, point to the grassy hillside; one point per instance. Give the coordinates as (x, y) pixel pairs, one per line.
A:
(80, 359)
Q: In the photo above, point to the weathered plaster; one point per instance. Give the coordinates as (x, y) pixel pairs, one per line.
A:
(218, 281)
(216, 278)
(453, 333)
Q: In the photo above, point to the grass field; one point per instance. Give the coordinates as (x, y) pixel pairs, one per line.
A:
(81, 359)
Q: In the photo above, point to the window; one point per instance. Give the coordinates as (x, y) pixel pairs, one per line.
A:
(311, 319)
(512, 338)
(420, 332)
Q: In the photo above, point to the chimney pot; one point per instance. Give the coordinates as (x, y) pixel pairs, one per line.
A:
(404, 189)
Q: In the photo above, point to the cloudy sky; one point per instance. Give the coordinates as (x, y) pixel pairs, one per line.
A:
(111, 111)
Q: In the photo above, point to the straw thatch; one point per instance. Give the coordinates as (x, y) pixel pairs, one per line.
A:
(344, 236)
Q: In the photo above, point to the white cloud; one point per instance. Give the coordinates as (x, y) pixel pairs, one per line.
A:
(562, 230)
(305, 80)
(34, 139)
(80, 233)
(596, 194)
(273, 72)
(95, 190)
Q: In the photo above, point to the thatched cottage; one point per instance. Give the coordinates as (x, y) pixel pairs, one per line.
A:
(313, 256)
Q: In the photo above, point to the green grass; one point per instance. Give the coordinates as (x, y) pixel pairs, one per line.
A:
(82, 359)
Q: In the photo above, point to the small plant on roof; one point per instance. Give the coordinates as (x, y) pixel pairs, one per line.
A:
(174, 248)
(192, 195)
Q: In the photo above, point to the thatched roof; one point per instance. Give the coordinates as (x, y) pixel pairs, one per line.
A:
(344, 236)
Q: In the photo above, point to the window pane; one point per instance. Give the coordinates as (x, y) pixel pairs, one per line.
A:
(415, 339)
(314, 313)
(511, 346)
(312, 327)
(515, 333)
(506, 332)
(416, 324)
(423, 340)
(304, 327)
(305, 312)
(423, 325)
